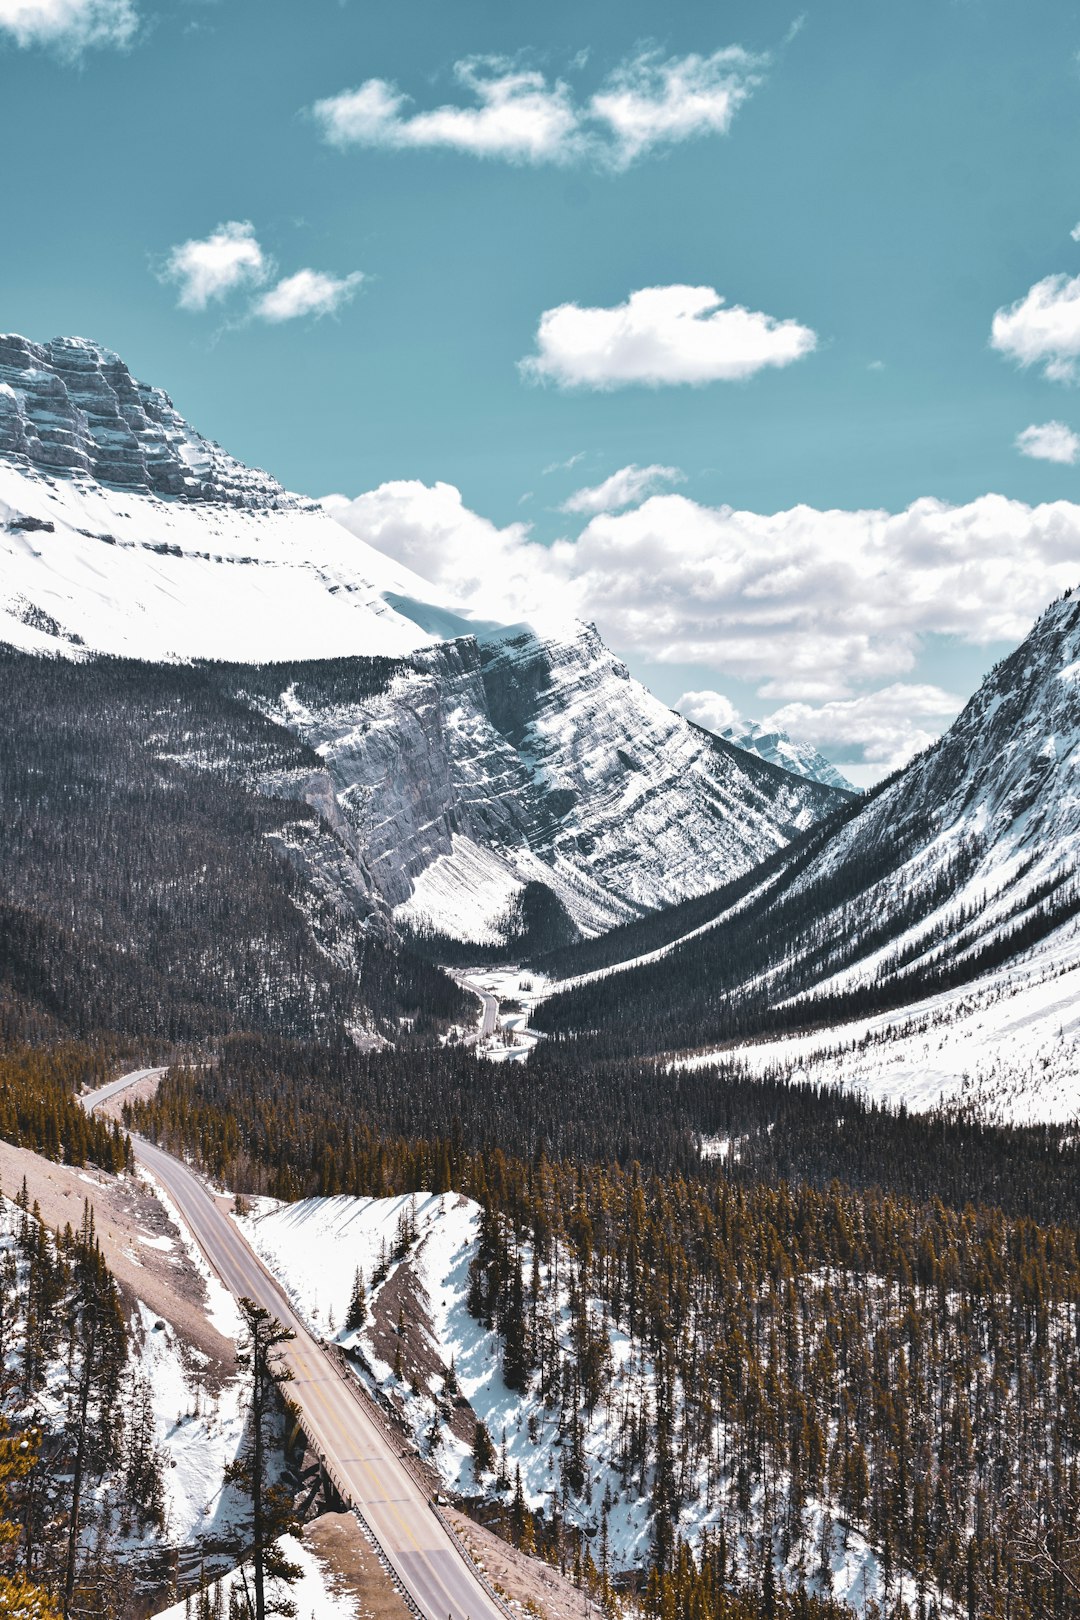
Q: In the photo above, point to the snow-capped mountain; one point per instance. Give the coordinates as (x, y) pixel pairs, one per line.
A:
(491, 759)
(930, 943)
(802, 759)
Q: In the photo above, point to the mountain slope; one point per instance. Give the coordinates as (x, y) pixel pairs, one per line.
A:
(803, 759)
(495, 777)
(962, 866)
(491, 764)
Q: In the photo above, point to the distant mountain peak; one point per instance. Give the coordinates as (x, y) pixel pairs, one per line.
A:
(801, 759)
(71, 408)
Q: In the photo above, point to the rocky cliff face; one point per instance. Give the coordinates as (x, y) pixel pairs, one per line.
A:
(970, 852)
(70, 407)
(490, 764)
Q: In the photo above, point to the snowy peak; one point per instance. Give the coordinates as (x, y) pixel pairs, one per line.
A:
(802, 759)
(1010, 763)
(70, 408)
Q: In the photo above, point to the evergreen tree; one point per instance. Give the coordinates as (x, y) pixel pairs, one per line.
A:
(271, 1511)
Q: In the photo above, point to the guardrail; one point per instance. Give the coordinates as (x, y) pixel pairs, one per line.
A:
(411, 1462)
(465, 1552)
(380, 1552)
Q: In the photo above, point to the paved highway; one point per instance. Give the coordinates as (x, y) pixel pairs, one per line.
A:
(362, 1455)
(489, 1018)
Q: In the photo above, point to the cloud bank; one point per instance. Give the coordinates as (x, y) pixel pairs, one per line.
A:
(823, 610)
(521, 116)
(661, 335)
(868, 735)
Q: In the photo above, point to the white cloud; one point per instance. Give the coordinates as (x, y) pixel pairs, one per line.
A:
(1049, 441)
(1042, 328)
(1075, 233)
(880, 730)
(624, 488)
(433, 532)
(521, 116)
(648, 102)
(811, 606)
(709, 709)
(71, 26)
(308, 292)
(206, 270)
(871, 734)
(661, 335)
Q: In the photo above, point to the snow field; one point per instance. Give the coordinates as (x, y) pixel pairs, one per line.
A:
(1006, 1047)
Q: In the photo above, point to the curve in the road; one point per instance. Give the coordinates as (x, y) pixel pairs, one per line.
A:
(359, 1452)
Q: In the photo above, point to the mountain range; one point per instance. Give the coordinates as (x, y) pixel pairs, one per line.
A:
(468, 788)
(495, 767)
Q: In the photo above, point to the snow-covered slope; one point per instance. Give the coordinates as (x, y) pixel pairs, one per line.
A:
(931, 943)
(495, 759)
(420, 1248)
(493, 762)
(802, 759)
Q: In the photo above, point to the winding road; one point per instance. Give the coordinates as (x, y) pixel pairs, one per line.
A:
(361, 1454)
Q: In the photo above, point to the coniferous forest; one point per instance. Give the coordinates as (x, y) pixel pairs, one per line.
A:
(845, 1327)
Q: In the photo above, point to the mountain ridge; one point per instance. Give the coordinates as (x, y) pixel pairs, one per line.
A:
(496, 758)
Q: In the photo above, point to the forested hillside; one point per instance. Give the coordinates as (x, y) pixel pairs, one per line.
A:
(149, 888)
(802, 1365)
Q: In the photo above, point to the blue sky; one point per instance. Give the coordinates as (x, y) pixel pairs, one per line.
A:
(877, 184)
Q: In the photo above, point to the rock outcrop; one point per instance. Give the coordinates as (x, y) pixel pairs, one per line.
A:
(70, 408)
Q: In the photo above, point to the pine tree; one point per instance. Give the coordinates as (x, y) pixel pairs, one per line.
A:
(271, 1512)
(356, 1315)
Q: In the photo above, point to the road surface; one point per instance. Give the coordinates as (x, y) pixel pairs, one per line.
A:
(489, 1017)
(363, 1455)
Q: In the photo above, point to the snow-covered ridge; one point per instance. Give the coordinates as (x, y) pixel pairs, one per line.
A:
(490, 764)
(802, 759)
(987, 826)
(135, 575)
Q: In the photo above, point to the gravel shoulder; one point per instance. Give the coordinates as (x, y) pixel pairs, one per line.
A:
(142, 1247)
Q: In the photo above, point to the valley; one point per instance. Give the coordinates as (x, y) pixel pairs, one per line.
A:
(660, 1151)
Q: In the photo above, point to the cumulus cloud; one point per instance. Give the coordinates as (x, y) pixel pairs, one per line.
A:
(207, 269)
(1042, 328)
(70, 26)
(661, 335)
(626, 487)
(712, 710)
(812, 606)
(1049, 441)
(648, 102)
(429, 529)
(308, 292)
(521, 116)
(878, 731)
(870, 735)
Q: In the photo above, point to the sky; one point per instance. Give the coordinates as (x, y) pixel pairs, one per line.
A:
(749, 333)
